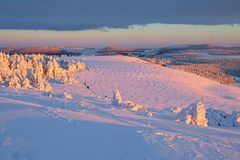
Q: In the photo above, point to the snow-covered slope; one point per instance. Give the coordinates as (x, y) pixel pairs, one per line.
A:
(155, 86)
(35, 125)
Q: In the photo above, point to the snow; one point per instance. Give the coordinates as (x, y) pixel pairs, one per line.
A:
(40, 125)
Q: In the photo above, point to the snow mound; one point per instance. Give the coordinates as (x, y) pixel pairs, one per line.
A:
(176, 109)
(33, 71)
(221, 118)
(195, 114)
(127, 104)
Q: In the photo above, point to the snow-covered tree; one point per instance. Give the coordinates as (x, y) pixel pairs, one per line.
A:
(1, 78)
(72, 65)
(68, 79)
(31, 76)
(221, 118)
(195, 114)
(26, 84)
(119, 102)
(14, 82)
(39, 83)
(117, 98)
(4, 64)
(236, 118)
(53, 69)
(33, 71)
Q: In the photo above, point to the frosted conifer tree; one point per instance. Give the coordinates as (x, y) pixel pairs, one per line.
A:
(195, 114)
(26, 84)
(117, 98)
(14, 82)
(33, 71)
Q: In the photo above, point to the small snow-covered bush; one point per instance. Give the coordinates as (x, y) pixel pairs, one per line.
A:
(195, 114)
(67, 95)
(33, 71)
(220, 118)
(149, 114)
(138, 108)
(48, 87)
(127, 104)
(119, 102)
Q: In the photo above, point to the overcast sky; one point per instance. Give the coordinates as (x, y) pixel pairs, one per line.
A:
(90, 14)
(122, 23)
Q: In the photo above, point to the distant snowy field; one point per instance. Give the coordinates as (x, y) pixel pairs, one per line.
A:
(34, 126)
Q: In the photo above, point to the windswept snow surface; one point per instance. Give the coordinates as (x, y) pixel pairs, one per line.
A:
(36, 126)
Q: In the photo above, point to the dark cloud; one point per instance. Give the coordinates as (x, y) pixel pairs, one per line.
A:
(91, 14)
